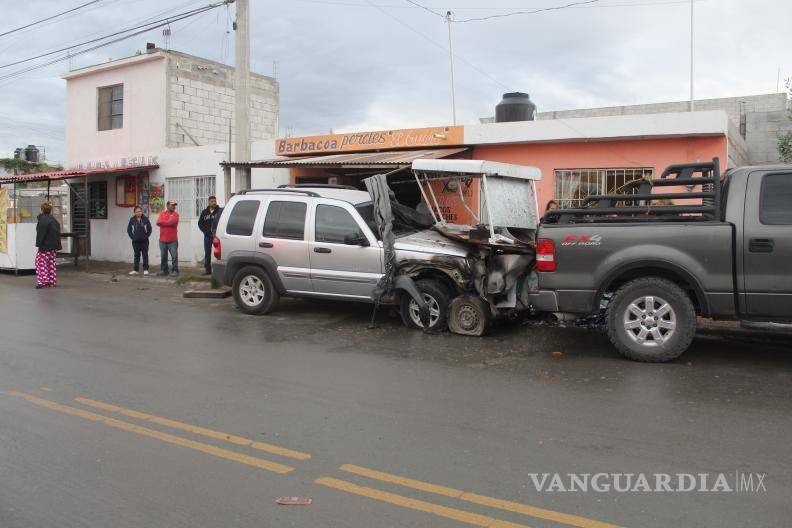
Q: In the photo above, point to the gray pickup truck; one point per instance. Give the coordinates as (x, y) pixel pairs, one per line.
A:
(719, 250)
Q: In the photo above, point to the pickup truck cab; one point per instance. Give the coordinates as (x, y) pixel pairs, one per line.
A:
(720, 252)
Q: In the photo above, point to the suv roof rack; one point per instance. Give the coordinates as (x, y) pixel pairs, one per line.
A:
(317, 186)
(279, 190)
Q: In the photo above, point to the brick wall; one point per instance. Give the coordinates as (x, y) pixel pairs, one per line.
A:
(200, 102)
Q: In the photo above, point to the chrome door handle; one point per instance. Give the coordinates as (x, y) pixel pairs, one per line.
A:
(322, 250)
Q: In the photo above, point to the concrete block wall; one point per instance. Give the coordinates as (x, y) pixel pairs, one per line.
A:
(766, 116)
(200, 102)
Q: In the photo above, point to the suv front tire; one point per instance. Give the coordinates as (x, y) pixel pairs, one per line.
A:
(436, 296)
(254, 292)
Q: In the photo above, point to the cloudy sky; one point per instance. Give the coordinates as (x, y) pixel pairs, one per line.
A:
(370, 64)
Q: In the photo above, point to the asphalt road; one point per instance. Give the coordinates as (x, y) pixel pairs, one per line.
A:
(124, 405)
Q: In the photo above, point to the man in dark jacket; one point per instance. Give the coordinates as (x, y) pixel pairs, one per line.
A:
(207, 223)
(139, 231)
(48, 243)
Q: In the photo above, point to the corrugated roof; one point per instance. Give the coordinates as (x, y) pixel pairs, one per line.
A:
(71, 173)
(359, 160)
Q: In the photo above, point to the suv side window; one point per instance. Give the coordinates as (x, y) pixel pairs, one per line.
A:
(285, 220)
(775, 202)
(334, 224)
(242, 218)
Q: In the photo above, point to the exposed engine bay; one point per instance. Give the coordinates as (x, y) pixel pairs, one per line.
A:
(487, 266)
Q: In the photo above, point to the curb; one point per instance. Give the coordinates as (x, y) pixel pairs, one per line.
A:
(220, 293)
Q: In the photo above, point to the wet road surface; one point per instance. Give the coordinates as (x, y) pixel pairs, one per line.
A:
(124, 405)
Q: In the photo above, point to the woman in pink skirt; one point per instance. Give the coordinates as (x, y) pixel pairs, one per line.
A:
(48, 244)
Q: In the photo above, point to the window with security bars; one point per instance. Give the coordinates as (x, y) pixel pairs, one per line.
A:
(574, 185)
(191, 194)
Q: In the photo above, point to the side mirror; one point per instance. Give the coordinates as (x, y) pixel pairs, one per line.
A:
(356, 239)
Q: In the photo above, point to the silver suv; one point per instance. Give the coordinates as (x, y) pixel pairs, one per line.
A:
(321, 242)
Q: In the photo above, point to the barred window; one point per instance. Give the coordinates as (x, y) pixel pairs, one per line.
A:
(191, 194)
(572, 186)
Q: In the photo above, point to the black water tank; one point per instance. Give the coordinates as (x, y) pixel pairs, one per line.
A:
(515, 106)
(32, 153)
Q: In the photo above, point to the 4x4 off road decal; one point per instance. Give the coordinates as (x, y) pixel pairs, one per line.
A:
(582, 240)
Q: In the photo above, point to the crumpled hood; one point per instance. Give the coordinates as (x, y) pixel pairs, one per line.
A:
(431, 242)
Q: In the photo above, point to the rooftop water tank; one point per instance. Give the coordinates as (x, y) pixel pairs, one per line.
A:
(515, 106)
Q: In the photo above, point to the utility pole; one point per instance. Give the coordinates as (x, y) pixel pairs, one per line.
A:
(691, 55)
(242, 94)
(451, 59)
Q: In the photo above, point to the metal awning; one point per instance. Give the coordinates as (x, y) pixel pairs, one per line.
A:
(71, 173)
(393, 159)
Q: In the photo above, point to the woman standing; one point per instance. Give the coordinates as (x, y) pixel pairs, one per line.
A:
(48, 244)
(139, 230)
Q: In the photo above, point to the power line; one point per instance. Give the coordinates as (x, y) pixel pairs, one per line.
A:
(534, 11)
(166, 20)
(416, 4)
(37, 22)
(648, 3)
(438, 45)
(158, 24)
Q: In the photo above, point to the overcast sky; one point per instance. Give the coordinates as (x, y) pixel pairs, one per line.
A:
(348, 65)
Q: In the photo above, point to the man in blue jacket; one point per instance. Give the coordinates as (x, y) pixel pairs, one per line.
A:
(139, 231)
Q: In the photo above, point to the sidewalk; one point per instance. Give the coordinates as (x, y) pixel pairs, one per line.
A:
(120, 271)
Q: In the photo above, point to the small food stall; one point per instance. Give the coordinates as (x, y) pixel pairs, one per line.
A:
(19, 209)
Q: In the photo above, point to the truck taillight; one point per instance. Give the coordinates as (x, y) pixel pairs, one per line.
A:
(218, 252)
(545, 255)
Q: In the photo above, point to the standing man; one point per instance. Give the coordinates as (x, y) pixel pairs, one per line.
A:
(139, 231)
(168, 222)
(207, 223)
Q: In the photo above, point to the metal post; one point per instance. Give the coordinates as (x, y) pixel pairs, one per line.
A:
(86, 215)
(691, 55)
(489, 210)
(451, 60)
(242, 93)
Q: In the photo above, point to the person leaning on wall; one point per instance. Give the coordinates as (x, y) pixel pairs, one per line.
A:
(48, 243)
(139, 231)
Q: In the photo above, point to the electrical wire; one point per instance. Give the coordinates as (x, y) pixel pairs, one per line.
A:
(159, 23)
(532, 12)
(438, 45)
(416, 4)
(37, 22)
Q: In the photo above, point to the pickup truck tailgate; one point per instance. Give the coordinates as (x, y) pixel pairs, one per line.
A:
(591, 257)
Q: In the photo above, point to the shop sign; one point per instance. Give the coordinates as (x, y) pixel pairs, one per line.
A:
(377, 140)
(132, 161)
(4, 205)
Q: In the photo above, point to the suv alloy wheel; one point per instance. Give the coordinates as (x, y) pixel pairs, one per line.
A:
(253, 291)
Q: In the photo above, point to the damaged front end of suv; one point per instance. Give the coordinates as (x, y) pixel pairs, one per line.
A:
(460, 275)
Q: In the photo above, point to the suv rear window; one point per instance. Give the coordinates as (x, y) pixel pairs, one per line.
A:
(285, 220)
(775, 204)
(242, 218)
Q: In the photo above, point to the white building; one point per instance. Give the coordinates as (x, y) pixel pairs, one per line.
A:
(151, 128)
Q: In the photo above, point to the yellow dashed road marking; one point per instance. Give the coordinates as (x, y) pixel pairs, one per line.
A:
(209, 433)
(259, 463)
(419, 505)
(515, 507)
